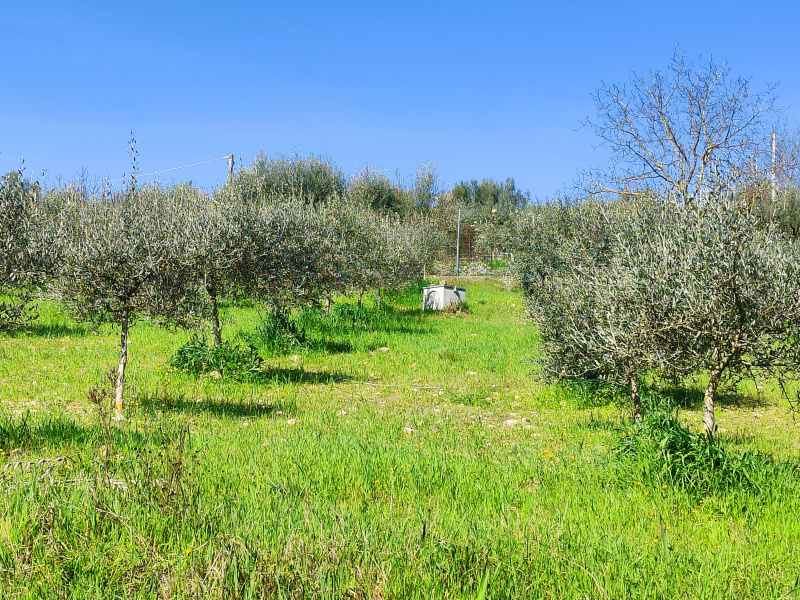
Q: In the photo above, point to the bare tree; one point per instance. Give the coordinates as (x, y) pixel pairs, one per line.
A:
(686, 132)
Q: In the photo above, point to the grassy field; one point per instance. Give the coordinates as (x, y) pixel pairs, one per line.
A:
(418, 456)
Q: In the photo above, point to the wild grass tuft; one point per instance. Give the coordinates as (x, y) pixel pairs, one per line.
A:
(277, 334)
(197, 357)
(663, 451)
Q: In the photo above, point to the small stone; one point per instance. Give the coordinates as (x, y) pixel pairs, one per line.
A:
(510, 422)
(472, 372)
(291, 422)
(215, 375)
(383, 349)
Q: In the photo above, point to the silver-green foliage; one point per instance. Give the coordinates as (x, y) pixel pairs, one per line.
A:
(21, 263)
(621, 288)
(120, 255)
(313, 179)
(377, 191)
(119, 259)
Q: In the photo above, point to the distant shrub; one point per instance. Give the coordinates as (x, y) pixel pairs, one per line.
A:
(375, 190)
(313, 179)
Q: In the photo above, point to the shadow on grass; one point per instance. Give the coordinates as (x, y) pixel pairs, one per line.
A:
(345, 329)
(59, 330)
(346, 319)
(33, 432)
(692, 399)
(292, 375)
(160, 403)
(330, 346)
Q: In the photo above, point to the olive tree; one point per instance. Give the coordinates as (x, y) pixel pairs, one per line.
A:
(426, 188)
(19, 259)
(622, 288)
(409, 250)
(216, 244)
(724, 295)
(375, 190)
(119, 261)
(281, 267)
(586, 311)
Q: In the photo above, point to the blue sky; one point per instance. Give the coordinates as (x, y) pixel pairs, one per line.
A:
(479, 89)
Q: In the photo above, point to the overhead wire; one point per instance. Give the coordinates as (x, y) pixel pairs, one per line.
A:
(486, 166)
(202, 162)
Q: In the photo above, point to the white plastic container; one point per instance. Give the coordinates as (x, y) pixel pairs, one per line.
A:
(439, 297)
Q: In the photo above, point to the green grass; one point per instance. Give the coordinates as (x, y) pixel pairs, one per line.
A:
(373, 463)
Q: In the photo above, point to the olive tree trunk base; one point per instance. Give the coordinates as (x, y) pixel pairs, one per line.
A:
(212, 294)
(119, 391)
(636, 398)
(709, 420)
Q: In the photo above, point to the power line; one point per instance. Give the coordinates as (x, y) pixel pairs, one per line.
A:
(202, 162)
(532, 164)
(486, 166)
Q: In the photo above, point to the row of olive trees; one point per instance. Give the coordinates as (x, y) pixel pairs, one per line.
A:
(489, 208)
(170, 254)
(626, 288)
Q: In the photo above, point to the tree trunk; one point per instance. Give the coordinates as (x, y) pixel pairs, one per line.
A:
(378, 302)
(212, 294)
(123, 361)
(713, 383)
(328, 304)
(360, 298)
(637, 400)
(709, 420)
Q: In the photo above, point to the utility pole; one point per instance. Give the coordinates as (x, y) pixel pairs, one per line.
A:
(230, 168)
(458, 245)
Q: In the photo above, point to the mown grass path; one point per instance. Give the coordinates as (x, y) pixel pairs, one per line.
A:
(410, 462)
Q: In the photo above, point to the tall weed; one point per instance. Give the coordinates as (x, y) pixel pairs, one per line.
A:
(664, 452)
(197, 357)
